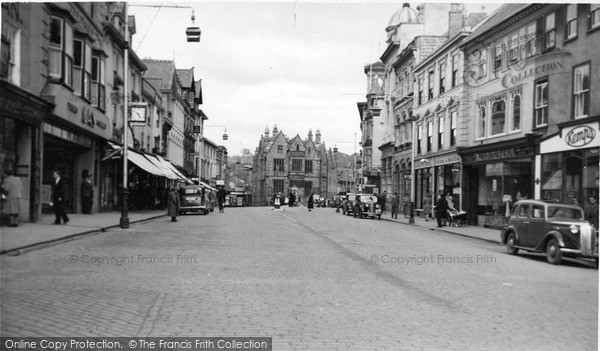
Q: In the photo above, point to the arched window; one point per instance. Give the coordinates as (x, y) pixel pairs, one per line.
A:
(498, 117)
(516, 118)
(481, 122)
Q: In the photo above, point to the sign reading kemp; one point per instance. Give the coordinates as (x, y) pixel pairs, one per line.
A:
(580, 136)
(515, 58)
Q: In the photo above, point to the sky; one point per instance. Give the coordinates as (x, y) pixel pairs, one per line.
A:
(295, 64)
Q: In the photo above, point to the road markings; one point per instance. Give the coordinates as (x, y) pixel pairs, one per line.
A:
(291, 219)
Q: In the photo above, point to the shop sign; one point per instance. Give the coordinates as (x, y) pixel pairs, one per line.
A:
(499, 154)
(446, 160)
(87, 117)
(574, 137)
(580, 136)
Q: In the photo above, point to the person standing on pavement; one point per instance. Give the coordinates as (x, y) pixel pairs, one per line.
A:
(591, 212)
(221, 194)
(382, 199)
(405, 205)
(310, 202)
(441, 210)
(87, 193)
(14, 187)
(58, 197)
(395, 205)
(173, 204)
(427, 203)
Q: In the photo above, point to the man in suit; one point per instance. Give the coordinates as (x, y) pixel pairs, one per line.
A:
(58, 197)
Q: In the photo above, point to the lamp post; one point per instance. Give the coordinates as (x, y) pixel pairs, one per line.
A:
(411, 218)
(193, 35)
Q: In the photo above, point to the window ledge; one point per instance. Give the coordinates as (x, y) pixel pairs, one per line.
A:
(535, 129)
(593, 29)
(569, 40)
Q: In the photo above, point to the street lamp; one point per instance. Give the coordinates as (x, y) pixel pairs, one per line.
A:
(124, 220)
(411, 218)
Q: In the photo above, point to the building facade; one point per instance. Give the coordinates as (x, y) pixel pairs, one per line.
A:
(282, 165)
(535, 121)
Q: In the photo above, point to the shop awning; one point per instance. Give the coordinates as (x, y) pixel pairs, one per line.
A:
(162, 165)
(207, 186)
(144, 164)
(173, 169)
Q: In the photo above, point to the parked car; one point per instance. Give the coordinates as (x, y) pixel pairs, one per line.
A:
(556, 229)
(194, 199)
(368, 206)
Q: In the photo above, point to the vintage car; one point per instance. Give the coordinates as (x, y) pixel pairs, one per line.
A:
(367, 206)
(348, 203)
(556, 229)
(194, 199)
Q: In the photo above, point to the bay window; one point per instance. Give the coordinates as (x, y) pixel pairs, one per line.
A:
(98, 82)
(60, 51)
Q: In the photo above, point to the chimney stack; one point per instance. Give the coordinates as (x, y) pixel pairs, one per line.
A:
(455, 20)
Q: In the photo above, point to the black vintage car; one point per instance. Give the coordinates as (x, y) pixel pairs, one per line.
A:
(556, 229)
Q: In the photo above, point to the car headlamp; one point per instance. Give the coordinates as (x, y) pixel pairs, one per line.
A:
(574, 229)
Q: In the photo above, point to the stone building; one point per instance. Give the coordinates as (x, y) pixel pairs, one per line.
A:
(283, 164)
(535, 121)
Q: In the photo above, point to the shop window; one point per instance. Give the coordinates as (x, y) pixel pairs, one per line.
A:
(552, 177)
(308, 166)
(278, 164)
(516, 112)
(442, 77)
(571, 31)
(296, 165)
(429, 135)
(481, 122)
(454, 70)
(441, 126)
(594, 16)
(581, 91)
(60, 65)
(541, 103)
(453, 125)
(278, 186)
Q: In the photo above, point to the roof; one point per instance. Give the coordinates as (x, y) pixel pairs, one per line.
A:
(405, 15)
(501, 14)
(186, 77)
(199, 91)
(163, 70)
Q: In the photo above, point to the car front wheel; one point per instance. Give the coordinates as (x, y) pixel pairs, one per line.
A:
(510, 244)
(553, 253)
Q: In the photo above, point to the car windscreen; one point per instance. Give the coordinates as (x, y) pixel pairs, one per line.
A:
(564, 212)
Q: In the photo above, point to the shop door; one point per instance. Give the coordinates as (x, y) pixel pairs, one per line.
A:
(471, 194)
(62, 157)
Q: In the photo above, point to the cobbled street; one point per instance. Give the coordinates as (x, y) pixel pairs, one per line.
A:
(310, 280)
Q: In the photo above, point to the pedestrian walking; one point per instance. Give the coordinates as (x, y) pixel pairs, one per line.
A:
(58, 198)
(405, 205)
(87, 193)
(14, 192)
(441, 210)
(382, 200)
(427, 206)
(395, 205)
(311, 202)
(173, 204)
(221, 194)
(591, 212)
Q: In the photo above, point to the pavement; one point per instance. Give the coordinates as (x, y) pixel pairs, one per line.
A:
(29, 236)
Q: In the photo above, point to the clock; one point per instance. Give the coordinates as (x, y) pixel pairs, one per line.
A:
(138, 115)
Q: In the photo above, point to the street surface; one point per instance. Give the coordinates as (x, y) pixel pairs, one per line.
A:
(311, 280)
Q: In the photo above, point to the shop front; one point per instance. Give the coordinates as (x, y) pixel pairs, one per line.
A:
(567, 166)
(74, 136)
(494, 177)
(21, 115)
(436, 175)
